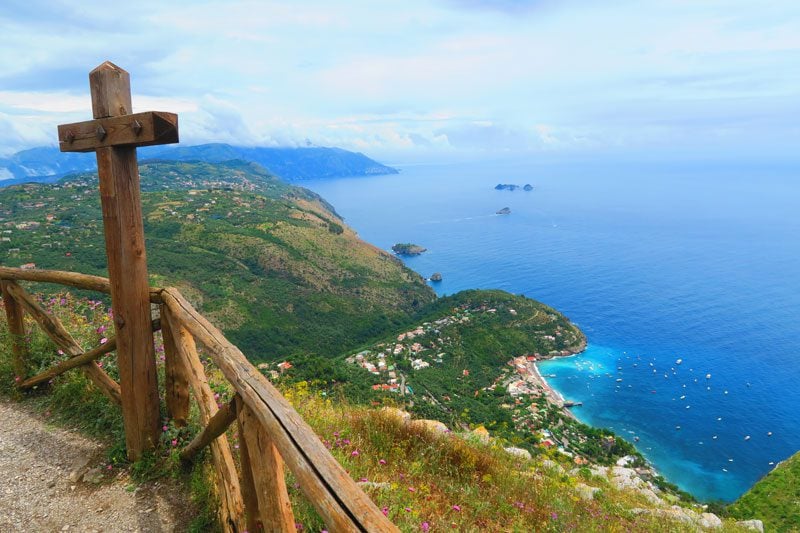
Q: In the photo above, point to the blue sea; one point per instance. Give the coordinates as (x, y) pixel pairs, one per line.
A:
(655, 262)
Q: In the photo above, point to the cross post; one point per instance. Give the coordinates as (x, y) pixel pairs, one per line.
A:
(114, 135)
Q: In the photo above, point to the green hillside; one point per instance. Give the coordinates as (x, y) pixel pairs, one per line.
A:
(775, 499)
(272, 264)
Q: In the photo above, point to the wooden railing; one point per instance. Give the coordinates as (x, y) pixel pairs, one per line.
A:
(253, 497)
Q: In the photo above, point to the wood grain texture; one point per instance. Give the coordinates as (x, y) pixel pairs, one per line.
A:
(111, 91)
(61, 337)
(176, 382)
(232, 515)
(16, 326)
(247, 483)
(140, 129)
(266, 467)
(341, 503)
(70, 279)
(127, 268)
(216, 426)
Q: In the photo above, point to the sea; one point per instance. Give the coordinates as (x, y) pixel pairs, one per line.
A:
(685, 278)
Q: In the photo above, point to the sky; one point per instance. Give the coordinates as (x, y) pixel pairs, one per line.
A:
(415, 80)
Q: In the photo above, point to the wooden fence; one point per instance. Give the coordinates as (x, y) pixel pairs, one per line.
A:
(254, 496)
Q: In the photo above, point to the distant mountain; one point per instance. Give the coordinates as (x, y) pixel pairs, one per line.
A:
(48, 164)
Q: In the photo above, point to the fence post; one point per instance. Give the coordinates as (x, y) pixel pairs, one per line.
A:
(16, 327)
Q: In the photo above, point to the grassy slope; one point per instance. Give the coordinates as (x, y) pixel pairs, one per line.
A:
(247, 248)
(448, 482)
(775, 499)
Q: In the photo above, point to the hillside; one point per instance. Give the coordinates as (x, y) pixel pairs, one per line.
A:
(272, 264)
(47, 164)
(423, 476)
(468, 362)
(775, 499)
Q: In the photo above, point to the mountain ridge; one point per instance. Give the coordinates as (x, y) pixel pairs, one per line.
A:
(46, 164)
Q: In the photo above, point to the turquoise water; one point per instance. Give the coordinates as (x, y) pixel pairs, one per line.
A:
(655, 263)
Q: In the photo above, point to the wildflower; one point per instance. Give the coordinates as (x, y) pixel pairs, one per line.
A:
(382, 462)
(17, 379)
(61, 352)
(385, 511)
(412, 489)
(457, 508)
(355, 453)
(164, 428)
(363, 480)
(102, 328)
(408, 509)
(109, 467)
(216, 396)
(103, 340)
(554, 516)
(174, 442)
(298, 527)
(425, 527)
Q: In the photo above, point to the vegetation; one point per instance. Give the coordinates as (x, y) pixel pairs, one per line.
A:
(422, 481)
(406, 248)
(247, 248)
(277, 269)
(774, 499)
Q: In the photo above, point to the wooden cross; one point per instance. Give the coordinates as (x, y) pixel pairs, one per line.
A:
(114, 135)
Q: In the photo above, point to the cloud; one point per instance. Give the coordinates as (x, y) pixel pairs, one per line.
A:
(415, 76)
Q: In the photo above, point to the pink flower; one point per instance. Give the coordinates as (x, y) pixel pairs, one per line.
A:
(174, 442)
(60, 352)
(102, 328)
(554, 516)
(382, 462)
(17, 379)
(457, 508)
(385, 511)
(216, 396)
(425, 526)
(103, 340)
(355, 453)
(412, 489)
(109, 467)
(408, 509)
(164, 428)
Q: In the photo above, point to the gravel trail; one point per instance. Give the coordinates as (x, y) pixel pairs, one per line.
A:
(53, 479)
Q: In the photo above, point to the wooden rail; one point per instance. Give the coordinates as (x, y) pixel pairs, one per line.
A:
(253, 497)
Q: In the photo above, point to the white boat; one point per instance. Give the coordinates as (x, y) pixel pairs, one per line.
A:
(679, 361)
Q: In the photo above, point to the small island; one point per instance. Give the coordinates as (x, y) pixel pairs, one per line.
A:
(407, 248)
(512, 187)
(436, 276)
(504, 211)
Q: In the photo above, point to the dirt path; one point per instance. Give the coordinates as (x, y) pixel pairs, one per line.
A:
(56, 480)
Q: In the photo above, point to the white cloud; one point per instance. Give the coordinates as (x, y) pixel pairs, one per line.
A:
(418, 75)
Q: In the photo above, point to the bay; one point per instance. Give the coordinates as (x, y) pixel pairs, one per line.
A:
(655, 262)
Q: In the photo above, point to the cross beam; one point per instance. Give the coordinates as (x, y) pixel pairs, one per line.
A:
(114, 135)
(141, 129)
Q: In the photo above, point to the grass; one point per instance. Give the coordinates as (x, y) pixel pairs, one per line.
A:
(775, 498)
(422, 481)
